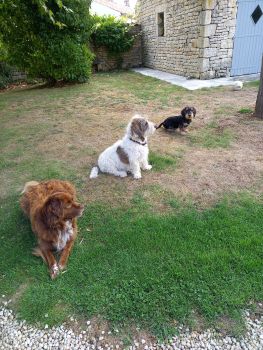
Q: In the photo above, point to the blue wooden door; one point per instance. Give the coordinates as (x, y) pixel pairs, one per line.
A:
(248, 41)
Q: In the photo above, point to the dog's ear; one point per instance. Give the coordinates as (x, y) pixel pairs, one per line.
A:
(56, 206)
(52, 211)
(138, 127)
(183, 112)
(194, 111)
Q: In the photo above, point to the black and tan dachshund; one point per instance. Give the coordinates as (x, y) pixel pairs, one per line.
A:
(180, 122)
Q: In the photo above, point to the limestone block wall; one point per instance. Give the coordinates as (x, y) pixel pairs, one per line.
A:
(178, 50)
(218, 24)
(198, 36)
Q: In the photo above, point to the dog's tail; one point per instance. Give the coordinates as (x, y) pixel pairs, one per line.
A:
(157, 127)
(28, 185)
(94, 172)
(38, 252)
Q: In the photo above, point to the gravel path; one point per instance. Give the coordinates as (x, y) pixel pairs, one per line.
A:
(16, 334)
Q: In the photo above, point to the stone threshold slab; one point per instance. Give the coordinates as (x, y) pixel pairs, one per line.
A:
(194, 84)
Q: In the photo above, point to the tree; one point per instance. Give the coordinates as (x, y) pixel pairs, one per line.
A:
(259, 103)
(48, 38)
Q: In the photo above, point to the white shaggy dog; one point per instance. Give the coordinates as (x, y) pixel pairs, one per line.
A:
(129, 154)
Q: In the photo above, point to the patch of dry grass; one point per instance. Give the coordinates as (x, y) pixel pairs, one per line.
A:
(65, 129)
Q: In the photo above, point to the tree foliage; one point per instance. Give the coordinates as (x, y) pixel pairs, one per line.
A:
(5, 75)
(112, 33)
(48, 38)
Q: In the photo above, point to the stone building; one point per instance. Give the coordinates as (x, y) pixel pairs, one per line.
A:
(202, 38)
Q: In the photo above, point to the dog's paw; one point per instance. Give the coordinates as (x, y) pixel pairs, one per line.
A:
(61, 267)
(122, 174)
(148, 167)
(137, 176)
(54, 271)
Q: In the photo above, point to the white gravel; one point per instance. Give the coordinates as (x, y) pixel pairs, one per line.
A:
(15, 334)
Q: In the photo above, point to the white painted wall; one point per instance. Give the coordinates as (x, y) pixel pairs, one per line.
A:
(132, 3)
(103, 10)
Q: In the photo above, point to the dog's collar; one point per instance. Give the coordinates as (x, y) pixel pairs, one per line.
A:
(142, 144)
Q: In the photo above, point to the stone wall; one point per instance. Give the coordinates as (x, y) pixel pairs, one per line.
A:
(18, 76)
(218, 24)
(132, 58)
(198, 36)
(178, 50)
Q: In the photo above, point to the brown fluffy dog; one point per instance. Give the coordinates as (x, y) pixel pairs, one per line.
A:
(52, 209)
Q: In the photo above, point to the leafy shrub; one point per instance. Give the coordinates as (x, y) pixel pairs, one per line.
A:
(50, 43)
(3, 50)
(5, 69)
(5, 75)
(112, 33)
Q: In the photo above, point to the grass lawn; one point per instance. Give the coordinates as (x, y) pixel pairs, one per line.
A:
(184, 244)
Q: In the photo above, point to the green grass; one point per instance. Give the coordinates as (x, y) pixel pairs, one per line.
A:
(254, 83)
(212, 137)
(245, 110)
(177, 204)
(147, 88)
(224, 110)
(136, 266)
(161, 162)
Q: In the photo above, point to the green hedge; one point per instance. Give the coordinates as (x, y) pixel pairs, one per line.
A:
(112, 33)
(5, 75)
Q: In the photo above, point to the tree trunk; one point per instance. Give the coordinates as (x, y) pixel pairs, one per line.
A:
(259, 103)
